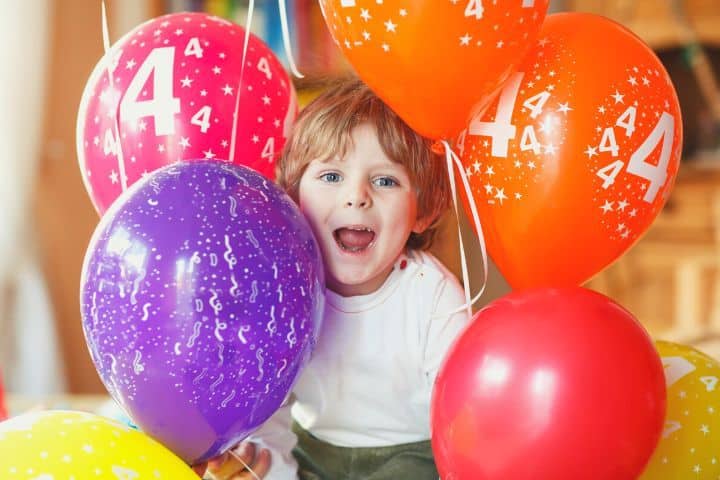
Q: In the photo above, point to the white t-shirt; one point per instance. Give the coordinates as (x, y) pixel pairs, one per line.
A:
(370, 379)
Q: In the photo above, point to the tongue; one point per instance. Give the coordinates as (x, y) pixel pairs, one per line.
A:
(355, 239)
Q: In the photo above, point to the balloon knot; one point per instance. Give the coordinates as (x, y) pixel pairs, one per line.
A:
(438, 148)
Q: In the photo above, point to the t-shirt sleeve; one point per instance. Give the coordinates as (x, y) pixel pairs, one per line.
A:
(444, 327)
(277, 436)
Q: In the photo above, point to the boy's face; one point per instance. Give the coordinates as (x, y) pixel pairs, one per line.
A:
(362, 209)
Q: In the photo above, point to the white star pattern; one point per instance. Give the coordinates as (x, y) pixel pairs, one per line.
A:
(197, 118)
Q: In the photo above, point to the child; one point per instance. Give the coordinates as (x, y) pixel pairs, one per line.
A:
(372, 190)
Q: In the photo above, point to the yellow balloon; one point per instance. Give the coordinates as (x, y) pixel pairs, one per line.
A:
(689, 446)
(64, 445)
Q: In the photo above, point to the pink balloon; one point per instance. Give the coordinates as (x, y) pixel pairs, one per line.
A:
(172, 97)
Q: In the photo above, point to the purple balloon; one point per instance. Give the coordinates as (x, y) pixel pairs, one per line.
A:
(202, 296)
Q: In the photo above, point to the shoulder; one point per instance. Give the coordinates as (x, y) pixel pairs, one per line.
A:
(433, 282)
(430, 268)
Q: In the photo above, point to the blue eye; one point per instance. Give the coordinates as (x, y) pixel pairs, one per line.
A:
(385, 182)
(330, 177)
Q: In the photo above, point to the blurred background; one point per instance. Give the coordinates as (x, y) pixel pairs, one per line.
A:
(670, 280)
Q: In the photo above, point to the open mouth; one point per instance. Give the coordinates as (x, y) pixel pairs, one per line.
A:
(354, 239)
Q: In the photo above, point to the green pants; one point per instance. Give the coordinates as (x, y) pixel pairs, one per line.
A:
(320, 460)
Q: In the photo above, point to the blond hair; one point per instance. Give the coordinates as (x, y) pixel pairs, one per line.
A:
(324, 128)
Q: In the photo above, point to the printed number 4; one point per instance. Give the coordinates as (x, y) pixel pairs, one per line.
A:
(502, 129)
(638, 164)
(163, 106)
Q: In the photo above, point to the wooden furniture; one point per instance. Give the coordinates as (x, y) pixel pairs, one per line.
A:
(661, 23)
(670, 279)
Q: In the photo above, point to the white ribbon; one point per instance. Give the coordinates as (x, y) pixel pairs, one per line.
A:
(452, 159)
(286, 39)
(248, 24)
(116, 126)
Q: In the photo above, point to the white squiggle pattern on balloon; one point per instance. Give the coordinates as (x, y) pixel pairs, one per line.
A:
(221, 359)
(113, 363)
(219, 326)
(214, 302)
(234, 290)
(138, 367)
(261, 372)
(194, 260)
(217, 382)
(197, 379)
(146, 312)
(292, 336)
(233, 207)
(227, 399)
(136, 286)
(254, 294)
(280, 293)
(94, 310)
(199, 305)
(275, 270)
(155, 185)
(280, 370)
(235, 174)
(297, 267)
(228, 256)
(251, 237)
(241, 333)
(196, 333)
(302, 291)
(213, 260)
(176, 349)
(267, 388)
(272, 324)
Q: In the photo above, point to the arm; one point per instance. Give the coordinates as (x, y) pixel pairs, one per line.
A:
(277, 436)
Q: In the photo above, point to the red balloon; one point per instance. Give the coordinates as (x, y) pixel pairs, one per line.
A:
(549, 384)
(3, 409)
(173, 96)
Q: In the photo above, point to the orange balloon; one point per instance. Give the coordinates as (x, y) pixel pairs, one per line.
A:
(578, 155)
(432, 61)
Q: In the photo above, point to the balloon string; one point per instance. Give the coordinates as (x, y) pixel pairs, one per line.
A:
(286, 39)
(248, 24)
(247, 467)
(452, 159)
(116, 126)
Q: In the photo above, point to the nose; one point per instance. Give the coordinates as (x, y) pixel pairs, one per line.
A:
(357, 196)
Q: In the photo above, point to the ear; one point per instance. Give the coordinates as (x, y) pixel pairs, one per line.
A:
(422, 223)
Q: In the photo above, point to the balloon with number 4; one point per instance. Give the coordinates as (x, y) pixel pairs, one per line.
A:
(578, 155)
(173, 92)
(433, 61)
(688, 447)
